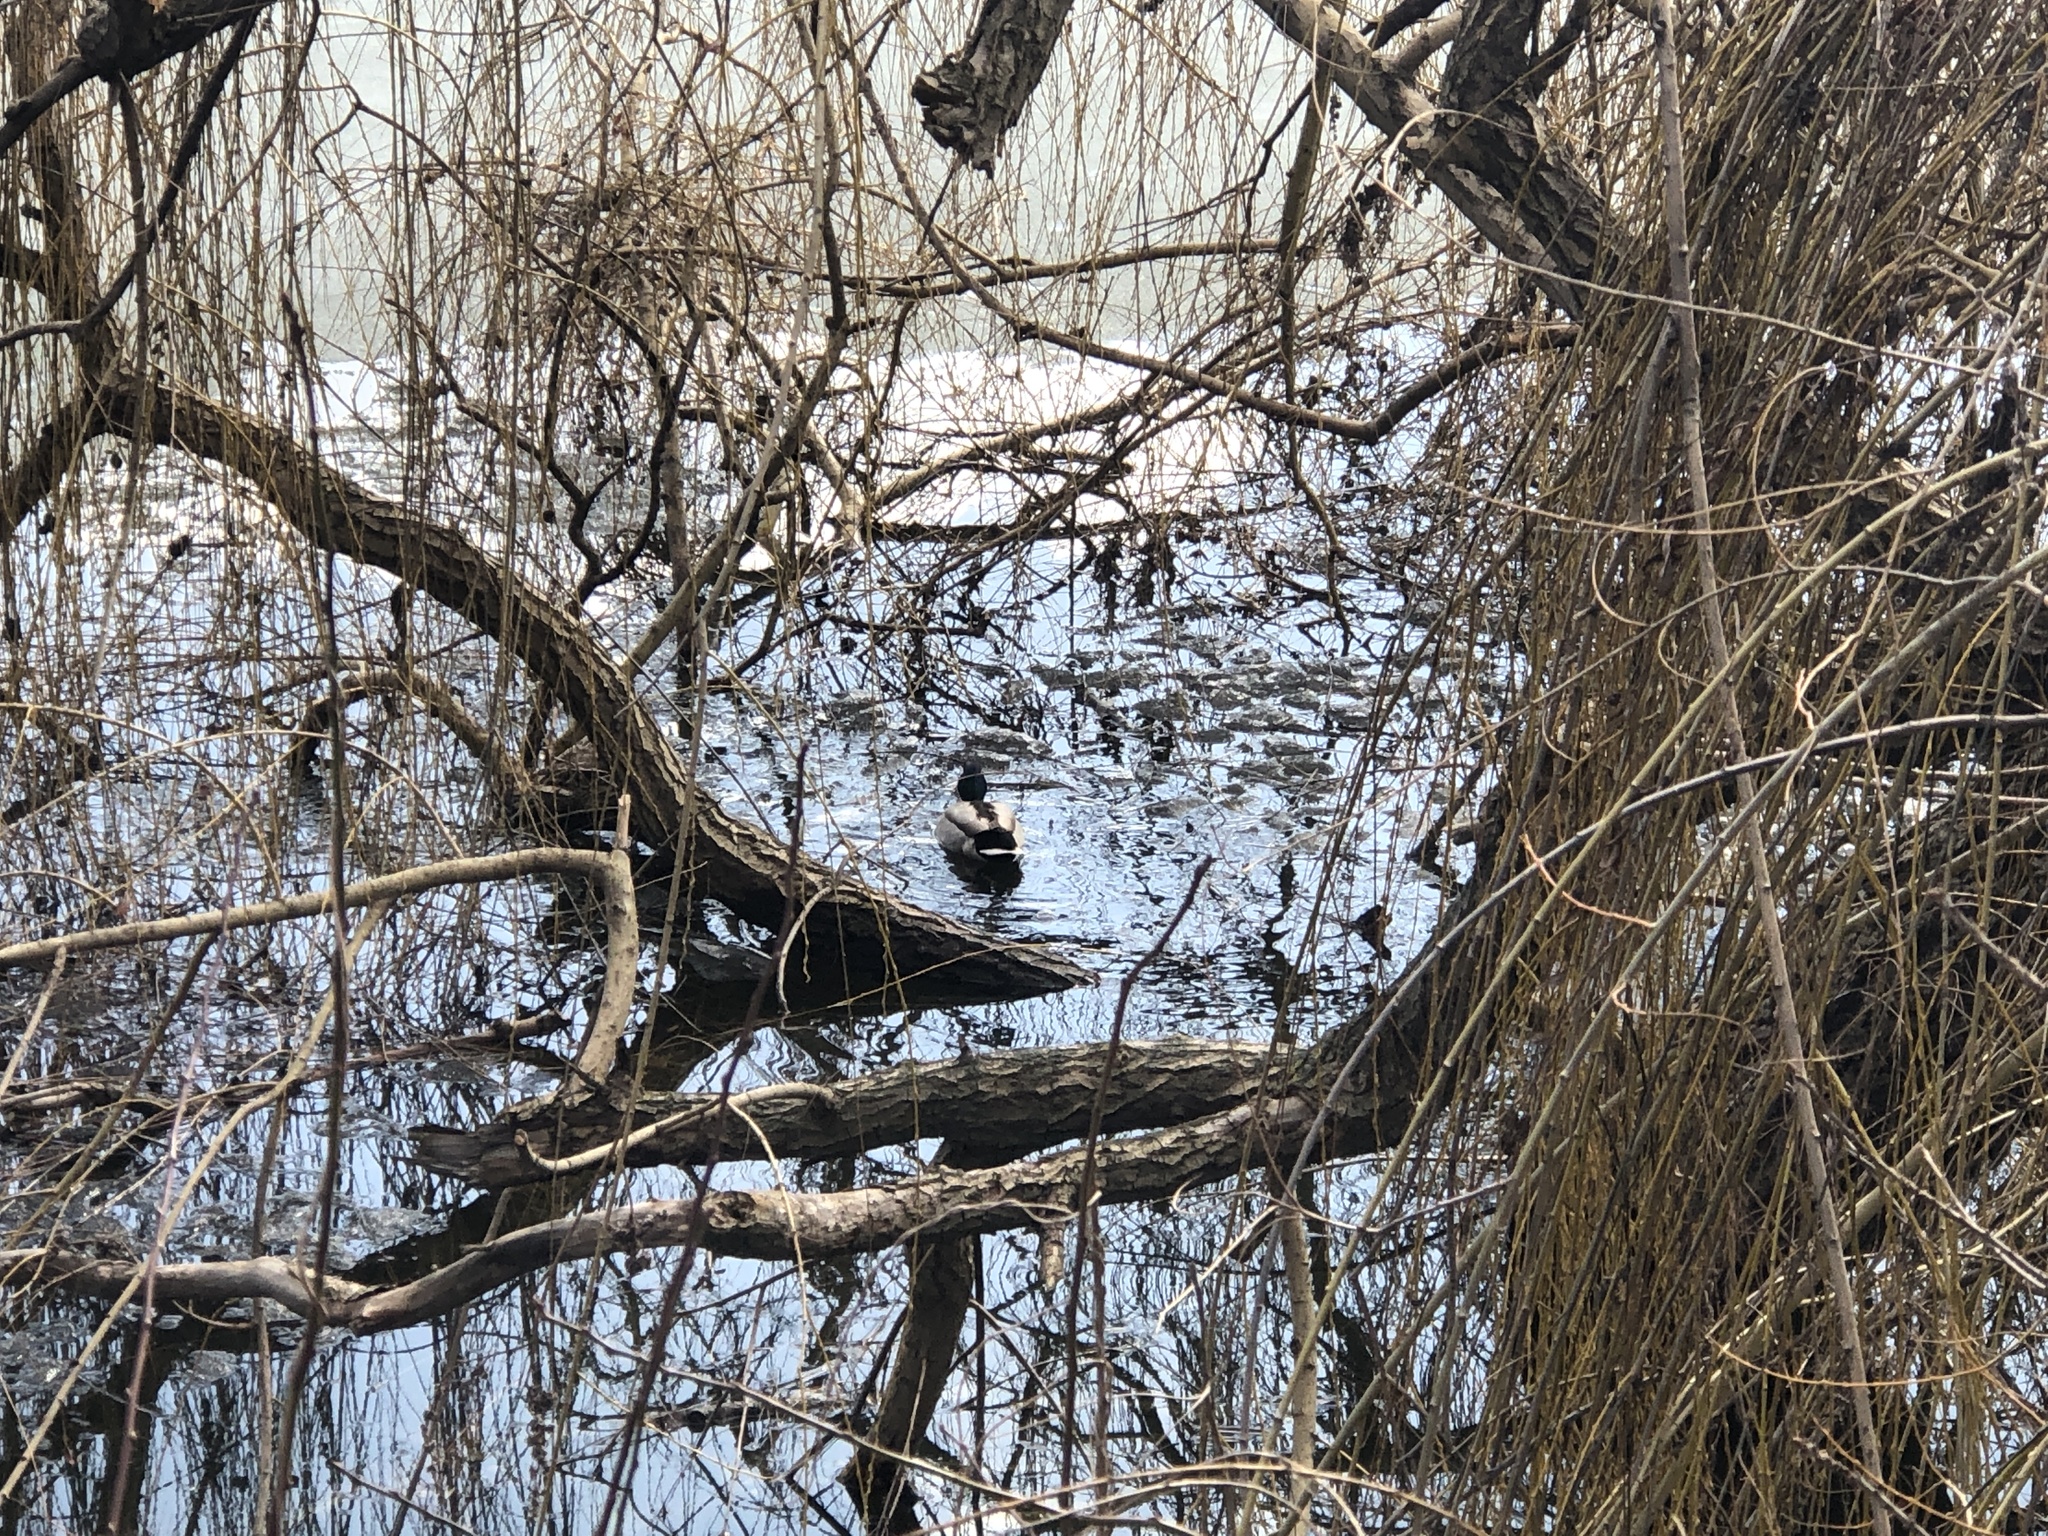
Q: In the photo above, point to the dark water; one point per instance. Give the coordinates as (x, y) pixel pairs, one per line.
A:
(1145, 702)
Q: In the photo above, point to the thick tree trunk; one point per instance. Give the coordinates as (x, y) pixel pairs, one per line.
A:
(1490, 130)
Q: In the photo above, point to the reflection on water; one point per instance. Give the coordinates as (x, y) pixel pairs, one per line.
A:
(1145, 699)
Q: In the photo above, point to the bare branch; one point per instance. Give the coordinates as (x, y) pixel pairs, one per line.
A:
(759, 1224)
(993, 1103)
(868, 937)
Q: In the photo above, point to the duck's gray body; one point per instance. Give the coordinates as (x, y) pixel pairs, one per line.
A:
(978, 829)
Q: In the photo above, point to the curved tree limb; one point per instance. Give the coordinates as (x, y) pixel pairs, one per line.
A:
(611, 873)
(852, 934)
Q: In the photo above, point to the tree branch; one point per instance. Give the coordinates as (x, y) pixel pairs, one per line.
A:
(1003, 1103)
(1522, 197)
(853, 935)
(610, 872)
(773, 1224)
(942, 1278)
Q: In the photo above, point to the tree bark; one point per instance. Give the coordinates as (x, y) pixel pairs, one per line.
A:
(129, 37)
(1491, 130)
(772, 1224)
(973, 97)
(1005, 1103)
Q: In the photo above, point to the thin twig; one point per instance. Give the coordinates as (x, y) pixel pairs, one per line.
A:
(1085, 1195)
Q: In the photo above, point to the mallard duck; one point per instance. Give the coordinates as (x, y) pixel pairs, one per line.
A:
(975, 828)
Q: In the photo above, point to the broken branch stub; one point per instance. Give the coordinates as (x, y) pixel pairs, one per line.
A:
(974, 97)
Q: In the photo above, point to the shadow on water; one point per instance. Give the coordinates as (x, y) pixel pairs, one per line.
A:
(996, 880)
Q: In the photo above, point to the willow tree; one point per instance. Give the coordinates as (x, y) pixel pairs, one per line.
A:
(527, 380)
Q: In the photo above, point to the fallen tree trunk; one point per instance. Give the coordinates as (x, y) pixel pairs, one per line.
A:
(1303, 1114)
(1006, 1102)
(850, 935)
(770, 1224)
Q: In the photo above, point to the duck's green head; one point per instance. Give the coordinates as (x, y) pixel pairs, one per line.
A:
(973, 785)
